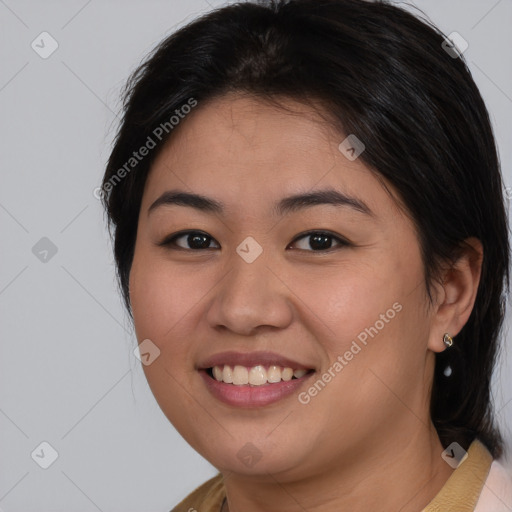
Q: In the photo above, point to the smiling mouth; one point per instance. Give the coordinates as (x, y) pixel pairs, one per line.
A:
(258, 375)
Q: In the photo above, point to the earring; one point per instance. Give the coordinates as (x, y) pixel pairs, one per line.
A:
(447, 340)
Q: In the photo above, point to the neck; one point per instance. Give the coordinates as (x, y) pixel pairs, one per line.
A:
(402, 475)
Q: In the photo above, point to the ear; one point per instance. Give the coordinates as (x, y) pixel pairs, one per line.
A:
(456, 294)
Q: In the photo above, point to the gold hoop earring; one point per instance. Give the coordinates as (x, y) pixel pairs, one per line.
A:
(447, 340)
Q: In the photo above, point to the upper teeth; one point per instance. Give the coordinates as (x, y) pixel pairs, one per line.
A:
(256, 376)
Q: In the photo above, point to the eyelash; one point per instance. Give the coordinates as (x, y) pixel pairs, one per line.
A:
(170, 241)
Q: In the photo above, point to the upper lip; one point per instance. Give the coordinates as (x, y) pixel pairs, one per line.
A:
(251, 359)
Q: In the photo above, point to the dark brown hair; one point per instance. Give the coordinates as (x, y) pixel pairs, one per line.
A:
(383, 75)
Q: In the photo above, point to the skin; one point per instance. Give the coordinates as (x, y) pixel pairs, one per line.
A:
(366, 441)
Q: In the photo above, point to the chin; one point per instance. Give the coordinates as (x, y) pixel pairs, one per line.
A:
(252, 458)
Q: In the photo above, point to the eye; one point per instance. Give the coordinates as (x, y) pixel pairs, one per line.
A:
(196, 240)
(320, 241)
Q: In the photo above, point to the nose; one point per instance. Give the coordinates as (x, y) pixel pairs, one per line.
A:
(252, 297)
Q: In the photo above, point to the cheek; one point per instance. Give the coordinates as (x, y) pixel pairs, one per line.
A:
(168, 304)
(162, 295)
(370, 316)
(349, 301)
(163, 299)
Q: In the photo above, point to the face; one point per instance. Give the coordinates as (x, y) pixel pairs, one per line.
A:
(328, 287)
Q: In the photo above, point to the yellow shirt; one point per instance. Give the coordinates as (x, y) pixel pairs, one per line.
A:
(460, 493)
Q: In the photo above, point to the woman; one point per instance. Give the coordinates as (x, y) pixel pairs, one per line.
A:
(310, 235)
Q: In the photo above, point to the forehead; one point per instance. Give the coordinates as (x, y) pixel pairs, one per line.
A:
(241, 148)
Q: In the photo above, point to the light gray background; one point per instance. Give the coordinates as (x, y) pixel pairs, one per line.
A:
(67, 372)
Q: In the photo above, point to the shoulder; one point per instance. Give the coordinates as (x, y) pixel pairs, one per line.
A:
(496, 495)
(207, 497)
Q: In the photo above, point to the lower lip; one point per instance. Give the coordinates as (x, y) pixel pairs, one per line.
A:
(252, 396)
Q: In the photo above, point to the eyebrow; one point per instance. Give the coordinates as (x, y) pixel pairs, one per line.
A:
(284, 206)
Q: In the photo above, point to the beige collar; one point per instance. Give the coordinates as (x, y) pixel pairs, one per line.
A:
(461, 491)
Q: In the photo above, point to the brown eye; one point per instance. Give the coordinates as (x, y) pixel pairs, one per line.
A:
(320, 241)
(192, 240)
